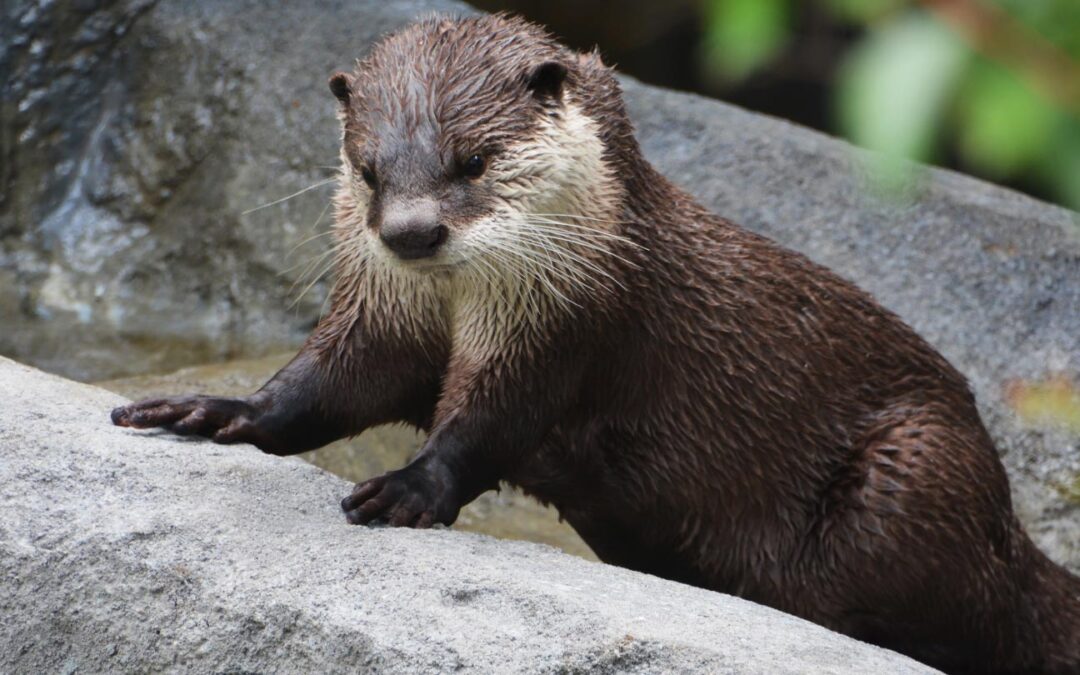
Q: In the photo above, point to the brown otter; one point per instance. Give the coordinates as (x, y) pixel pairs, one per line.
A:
(698, 402)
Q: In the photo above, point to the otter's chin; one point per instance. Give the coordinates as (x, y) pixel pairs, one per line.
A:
(426, 266)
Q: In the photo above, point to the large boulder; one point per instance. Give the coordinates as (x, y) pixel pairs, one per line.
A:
(135, 136)
(125, 551)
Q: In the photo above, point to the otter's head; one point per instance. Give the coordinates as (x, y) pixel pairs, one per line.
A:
(478, 144)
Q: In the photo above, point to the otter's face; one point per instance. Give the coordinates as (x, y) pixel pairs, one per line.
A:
(465, 147)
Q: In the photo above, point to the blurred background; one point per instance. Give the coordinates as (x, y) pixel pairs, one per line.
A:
(987, 87)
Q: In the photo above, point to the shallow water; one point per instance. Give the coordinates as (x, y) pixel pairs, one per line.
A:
(507, 514)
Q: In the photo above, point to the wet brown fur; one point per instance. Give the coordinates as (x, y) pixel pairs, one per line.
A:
(721, 411)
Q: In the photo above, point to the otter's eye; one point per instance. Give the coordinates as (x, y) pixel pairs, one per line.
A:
(368, 175)
(474, 167)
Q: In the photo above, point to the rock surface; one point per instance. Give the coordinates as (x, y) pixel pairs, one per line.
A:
(130, 551)
(134, 136)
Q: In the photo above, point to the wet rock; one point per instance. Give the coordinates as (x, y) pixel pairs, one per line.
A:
(125, 551)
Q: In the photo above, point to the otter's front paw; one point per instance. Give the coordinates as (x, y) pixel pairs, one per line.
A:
(224, 420)
(417, 496)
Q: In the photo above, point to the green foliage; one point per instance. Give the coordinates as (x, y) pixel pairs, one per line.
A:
(1003, 126)
(1055, 20)
(895, 86)
(913, 87)
(862, 11)
(1061, 167)
(742, 35)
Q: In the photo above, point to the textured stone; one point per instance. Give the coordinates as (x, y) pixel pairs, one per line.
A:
(132, 551)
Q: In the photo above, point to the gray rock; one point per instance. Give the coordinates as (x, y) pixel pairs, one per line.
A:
(131, 551)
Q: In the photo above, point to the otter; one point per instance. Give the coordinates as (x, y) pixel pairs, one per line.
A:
(698, 402)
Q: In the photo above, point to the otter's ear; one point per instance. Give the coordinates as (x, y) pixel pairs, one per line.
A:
(341, 86)
(546, 80)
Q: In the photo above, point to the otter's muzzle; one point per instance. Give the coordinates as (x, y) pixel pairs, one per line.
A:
(412, 231)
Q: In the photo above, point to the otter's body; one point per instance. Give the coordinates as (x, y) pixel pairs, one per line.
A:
(698, 402)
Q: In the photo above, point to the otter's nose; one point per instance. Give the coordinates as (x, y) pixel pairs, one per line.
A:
(413, 232)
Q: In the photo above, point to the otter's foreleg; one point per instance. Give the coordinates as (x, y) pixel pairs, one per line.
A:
(318, 397)
(491, 418)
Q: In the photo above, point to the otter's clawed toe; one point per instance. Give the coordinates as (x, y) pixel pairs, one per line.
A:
(225, 420)
(400, 499)
(152, 413)
(119, 416)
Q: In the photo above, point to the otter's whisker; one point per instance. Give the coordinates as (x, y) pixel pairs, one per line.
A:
(481, 268)
(568, 253)
(309, 188)
(537, 265)
(557, 234)
(307, 241)
(569, 237)
(306, 264)
(557, 220)
(605, 221)
(322, 213)
(545, 269)
(314, 280)
(570, 229)
(579, 216)
(315, 269)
